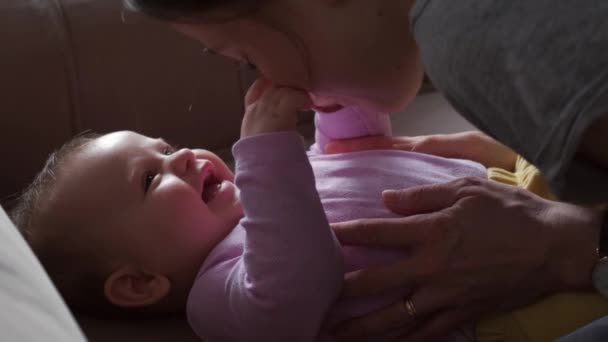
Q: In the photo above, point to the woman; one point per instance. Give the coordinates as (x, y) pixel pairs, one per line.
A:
(531, 73)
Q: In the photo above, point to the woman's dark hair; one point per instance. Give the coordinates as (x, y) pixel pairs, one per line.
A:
(194, 10)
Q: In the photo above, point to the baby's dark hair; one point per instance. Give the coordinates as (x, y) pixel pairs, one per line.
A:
(71, 269)
(74, 258)
(194, 10)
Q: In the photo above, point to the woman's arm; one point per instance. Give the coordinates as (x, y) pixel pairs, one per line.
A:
(472, 145)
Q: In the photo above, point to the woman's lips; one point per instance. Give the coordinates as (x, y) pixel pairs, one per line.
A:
(328, 109)
(325, 104)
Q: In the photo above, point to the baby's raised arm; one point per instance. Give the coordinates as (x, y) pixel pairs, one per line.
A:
(348, 123)
(291, 269)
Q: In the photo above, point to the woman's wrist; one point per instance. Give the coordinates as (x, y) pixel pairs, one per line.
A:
(573, 239)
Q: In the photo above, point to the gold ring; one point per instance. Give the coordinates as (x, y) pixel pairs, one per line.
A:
(409, 307)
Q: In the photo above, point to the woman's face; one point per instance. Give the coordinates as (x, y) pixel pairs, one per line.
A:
(350, 53)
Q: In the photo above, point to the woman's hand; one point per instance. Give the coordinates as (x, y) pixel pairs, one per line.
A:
(471, 145)
(272, 109)
(474, 247)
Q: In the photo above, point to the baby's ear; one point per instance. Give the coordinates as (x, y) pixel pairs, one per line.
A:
(131, 287)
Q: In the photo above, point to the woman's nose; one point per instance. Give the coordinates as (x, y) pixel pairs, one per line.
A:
(181, 161)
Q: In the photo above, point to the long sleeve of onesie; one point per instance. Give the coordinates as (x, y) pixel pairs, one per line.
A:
(348, 123)
(289, 272)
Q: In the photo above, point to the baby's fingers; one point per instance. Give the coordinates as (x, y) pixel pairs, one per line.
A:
(256, 90)
(294, 99)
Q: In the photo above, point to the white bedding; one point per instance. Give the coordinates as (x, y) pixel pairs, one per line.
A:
(30, 306)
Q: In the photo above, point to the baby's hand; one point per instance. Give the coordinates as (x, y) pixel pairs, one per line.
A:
(272, 109)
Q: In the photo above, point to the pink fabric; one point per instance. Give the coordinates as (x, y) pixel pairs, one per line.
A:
(278, 274)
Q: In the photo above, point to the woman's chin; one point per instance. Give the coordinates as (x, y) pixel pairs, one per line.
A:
(383, 106)
(395, 104)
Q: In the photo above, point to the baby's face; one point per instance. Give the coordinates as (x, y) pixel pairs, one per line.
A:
(161, 209)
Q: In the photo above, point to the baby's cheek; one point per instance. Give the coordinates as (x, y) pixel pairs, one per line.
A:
(176, 189)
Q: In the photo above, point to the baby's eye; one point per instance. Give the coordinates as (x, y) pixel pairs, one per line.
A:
(148, 178)
(169, 150)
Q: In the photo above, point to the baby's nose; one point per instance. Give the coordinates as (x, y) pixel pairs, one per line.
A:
(182, 161)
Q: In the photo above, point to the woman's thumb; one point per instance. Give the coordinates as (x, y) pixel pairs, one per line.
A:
(419, 200)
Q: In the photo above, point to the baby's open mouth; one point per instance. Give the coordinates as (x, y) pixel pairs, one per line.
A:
(211, 187)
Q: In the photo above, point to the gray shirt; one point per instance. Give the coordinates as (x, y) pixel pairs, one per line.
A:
(531, 73)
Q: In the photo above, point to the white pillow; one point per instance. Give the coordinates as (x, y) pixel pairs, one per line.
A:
(30, 306)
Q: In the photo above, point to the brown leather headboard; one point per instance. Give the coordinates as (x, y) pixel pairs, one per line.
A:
(69, 66)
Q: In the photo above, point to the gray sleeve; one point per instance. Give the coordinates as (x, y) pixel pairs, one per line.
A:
(596, 331)
(531, 73)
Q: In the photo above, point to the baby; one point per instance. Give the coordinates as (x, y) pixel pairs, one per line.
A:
(127, 224)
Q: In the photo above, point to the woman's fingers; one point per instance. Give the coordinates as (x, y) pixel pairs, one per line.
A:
(372, 281)
(472, 145)
(422, 207)
(445, 145)
(420, 200)
(432, 315)
(411, 312)
(494, 248)
(392, 232)
(394, 316)
(447, 323)
(366, 143)
(430, 198)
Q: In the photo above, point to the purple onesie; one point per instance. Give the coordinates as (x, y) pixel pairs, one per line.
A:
(277, 276)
